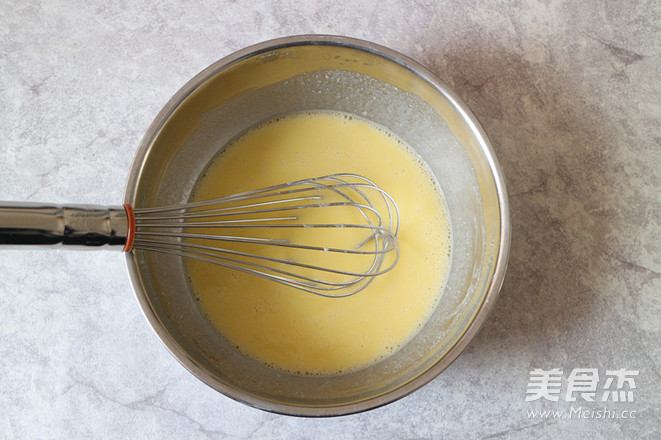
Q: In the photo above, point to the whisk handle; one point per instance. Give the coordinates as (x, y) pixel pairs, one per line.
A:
(81, 226)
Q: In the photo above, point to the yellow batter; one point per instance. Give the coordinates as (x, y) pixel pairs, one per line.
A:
(302, 333)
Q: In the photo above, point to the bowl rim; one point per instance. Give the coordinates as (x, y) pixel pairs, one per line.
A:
(499, 266)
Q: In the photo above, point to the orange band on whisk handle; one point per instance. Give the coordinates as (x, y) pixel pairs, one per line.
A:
(130, 234)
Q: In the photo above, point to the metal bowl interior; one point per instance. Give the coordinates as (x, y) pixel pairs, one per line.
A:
(330, 73)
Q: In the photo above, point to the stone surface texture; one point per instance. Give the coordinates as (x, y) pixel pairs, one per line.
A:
(570, 95)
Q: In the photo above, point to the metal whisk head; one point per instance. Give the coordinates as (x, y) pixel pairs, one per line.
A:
(327, 235)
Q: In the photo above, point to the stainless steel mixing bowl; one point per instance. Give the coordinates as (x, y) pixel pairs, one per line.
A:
(332, 73)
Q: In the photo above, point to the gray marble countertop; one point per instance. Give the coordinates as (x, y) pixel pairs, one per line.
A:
(569, 93)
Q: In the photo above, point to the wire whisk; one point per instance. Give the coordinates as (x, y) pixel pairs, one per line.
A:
(329, 235)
